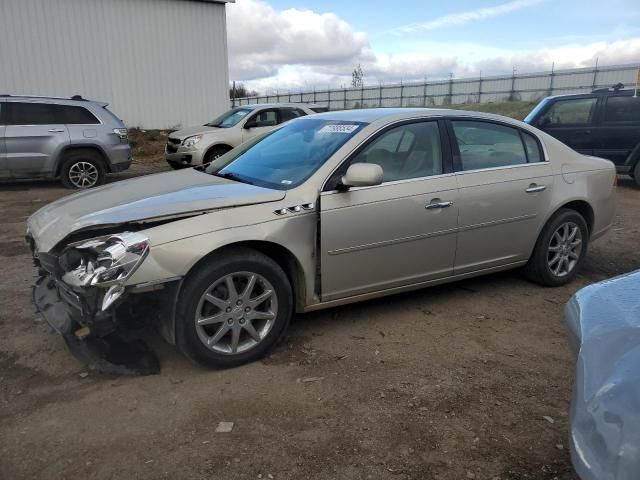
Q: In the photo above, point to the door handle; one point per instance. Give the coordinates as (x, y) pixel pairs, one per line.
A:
(434, 205)
(56, 130)
(534, 188)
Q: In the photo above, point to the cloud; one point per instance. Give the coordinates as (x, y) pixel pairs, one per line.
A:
(262, 39)
(301, 49)
(461, 18)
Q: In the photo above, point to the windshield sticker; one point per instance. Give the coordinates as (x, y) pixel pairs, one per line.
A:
(286, 182)
(338, 129)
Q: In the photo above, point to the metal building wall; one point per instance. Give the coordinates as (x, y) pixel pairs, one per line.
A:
(159, 63)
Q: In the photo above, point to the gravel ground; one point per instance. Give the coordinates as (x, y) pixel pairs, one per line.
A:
(451, 382)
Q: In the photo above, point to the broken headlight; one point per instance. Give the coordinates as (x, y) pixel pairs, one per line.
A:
(104, 262)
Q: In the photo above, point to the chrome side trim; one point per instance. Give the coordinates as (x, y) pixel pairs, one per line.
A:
(413, 238)
(498, 222)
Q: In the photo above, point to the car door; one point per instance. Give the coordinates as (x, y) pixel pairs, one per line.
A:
(505, 187)
(618, 130)
(571, 121)
(399, 233)
(260, 122)
(4, 169)
(34, 135)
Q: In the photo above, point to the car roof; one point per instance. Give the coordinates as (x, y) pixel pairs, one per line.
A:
(75, 100)
(371, 115)
(254, 106)
(597, 91)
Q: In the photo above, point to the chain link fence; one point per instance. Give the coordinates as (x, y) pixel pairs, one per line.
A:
(515, 87)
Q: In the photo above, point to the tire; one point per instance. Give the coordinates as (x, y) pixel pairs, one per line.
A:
(215, 152)
(82, 169)
(543, 267)
(212, 344)
(636, 174)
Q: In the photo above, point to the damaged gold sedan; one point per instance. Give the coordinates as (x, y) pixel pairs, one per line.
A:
(326, 210)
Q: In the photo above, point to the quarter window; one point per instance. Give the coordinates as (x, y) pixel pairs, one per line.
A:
(621, 110)
(407, 151)
(533, 148)
(77, 115)
(488, 145)
(571, 112)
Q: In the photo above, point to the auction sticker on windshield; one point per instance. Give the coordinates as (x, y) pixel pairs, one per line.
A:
(339, 128)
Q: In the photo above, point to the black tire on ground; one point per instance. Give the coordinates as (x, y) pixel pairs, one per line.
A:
(176, 166)
(199, 282)
(538, 269)
(215, 152)
(82, 169)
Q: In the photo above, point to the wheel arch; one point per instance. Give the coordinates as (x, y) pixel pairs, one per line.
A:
(279, 254)
(224, 145)
(82, 147)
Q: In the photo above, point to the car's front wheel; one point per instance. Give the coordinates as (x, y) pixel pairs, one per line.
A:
(560, 249)
(233, 308)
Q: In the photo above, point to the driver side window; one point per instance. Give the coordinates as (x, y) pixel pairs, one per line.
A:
(265, 118)
(408, 151)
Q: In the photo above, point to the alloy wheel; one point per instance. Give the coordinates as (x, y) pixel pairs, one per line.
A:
(565, 249)
(83, 174)
(236, 312)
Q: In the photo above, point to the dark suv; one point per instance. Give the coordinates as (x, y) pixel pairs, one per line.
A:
(604, 123)
(73, 139)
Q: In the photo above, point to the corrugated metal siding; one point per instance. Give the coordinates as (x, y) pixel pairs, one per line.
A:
(159, 63)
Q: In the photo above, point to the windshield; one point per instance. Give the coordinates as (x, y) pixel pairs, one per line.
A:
(534, 113)
(286, 157)
(230, 118)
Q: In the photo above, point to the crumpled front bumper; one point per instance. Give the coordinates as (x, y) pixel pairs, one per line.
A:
(96, 339)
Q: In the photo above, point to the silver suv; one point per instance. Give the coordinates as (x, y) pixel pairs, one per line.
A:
(73, 139)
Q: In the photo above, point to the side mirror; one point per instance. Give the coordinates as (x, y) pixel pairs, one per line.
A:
(363, 175)
(250, 124)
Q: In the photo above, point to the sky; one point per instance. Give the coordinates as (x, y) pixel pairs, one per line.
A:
(301, 44)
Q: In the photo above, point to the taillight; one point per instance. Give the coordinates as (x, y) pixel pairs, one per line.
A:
(122, 133)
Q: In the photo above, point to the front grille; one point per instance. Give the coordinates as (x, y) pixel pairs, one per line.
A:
(174, 140)
(171, 148)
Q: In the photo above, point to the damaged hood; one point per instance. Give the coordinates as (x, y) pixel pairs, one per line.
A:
(181, 193)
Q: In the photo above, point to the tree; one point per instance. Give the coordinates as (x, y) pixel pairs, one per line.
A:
(357, 77)
(242, 92)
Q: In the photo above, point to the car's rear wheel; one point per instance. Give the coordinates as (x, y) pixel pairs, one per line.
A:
(560, 249)
(233, 309)
(82, 170)
(636, 174)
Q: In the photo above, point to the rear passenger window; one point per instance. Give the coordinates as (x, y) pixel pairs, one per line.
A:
(622, 110)
(48, 114)
(30, 114)
(287, 114)
(488, 145)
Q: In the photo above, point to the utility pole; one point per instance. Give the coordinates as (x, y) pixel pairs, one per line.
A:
(595, 75)
(553, 64)
(480, 88)
(450, 96)
(424, 93)
(512, 95)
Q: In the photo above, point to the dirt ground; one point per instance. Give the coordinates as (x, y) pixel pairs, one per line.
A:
(448, 383)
